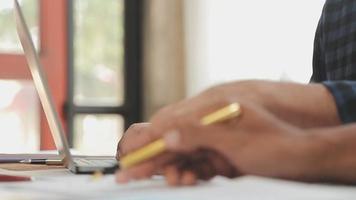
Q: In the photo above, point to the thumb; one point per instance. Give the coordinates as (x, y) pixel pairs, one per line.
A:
(181, 141)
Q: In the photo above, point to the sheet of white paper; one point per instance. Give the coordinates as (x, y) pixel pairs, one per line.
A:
(250, 188)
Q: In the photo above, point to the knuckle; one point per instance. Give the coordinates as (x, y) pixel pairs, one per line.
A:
(134, 127)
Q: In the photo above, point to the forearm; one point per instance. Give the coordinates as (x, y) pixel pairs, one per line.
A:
(330, 155)
(305, 106)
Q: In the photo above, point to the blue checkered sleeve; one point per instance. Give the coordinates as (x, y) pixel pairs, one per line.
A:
(344, 93)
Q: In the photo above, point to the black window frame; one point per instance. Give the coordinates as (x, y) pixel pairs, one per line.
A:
(131, 110)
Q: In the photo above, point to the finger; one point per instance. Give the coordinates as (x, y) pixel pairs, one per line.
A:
(195, 162)
(188, 178)
(204, 169)
(142, 171)
(186, 139)
(172, 175)
(136, 136)
(221, 166)
(124, 144)
(145, 169)
(121, 177)
(200, 163)
(175, 177)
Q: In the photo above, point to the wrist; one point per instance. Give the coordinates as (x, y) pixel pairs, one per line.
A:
(329, 155)
(312, 160)
(305, 106)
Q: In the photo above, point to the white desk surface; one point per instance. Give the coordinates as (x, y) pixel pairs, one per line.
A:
(60, 184)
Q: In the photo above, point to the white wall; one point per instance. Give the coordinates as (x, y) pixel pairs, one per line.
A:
(249, 39)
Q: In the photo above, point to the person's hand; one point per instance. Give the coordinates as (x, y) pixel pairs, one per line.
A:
(183, 169)
(258, 144)
(242, 137)
(137, 135)
(186, 168)
(276, 98)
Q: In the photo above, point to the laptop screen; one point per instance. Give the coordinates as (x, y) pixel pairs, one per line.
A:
(41, 85)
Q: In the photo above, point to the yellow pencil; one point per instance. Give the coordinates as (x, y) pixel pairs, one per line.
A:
(231, 111)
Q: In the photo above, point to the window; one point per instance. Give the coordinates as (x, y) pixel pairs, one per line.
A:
(250, 40)
(24, 127)
(19, 108)
(8, 36)
(104, 73)
(90, 50)
(19, 117)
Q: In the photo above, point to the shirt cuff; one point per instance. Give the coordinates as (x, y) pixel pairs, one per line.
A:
(344, 93)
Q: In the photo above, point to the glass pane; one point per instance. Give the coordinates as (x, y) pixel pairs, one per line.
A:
(97, 134)
(98, 52)
(8, 36)
(19, 117)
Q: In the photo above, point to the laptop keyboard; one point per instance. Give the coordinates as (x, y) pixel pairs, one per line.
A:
(94, 162)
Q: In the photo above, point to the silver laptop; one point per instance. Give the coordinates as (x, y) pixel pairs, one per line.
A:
(76, 165)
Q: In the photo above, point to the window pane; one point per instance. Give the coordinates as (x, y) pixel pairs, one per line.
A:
(8, 36)
(19, 117)
(97, 134)
(98, 52)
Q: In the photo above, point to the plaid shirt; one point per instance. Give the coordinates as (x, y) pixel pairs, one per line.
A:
(334, 62)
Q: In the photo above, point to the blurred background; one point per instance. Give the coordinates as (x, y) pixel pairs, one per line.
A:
(115, 62)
